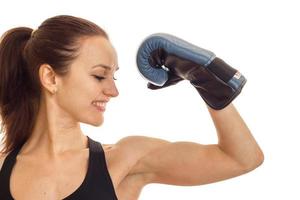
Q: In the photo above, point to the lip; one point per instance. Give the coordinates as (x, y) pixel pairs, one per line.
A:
(99, 108)
(105, 101)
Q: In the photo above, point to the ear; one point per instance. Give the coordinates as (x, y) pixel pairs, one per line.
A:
(48, 78)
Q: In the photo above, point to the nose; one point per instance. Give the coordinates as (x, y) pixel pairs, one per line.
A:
(111, 89)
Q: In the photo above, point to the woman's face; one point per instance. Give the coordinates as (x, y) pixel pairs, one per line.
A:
(91, 79)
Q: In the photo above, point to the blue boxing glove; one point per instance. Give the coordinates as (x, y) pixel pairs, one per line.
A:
(165, 60)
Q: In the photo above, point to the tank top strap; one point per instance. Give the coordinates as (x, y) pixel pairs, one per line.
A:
(6, 170)
(100, 170)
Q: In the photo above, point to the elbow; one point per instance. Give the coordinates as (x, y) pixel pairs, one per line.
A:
(259, 159)
(255, 161)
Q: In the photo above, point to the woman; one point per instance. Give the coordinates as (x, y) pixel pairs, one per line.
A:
(61, 74)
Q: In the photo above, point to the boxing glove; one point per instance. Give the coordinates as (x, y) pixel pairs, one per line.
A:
(164, 60)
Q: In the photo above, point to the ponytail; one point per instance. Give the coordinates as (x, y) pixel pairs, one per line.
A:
(16, 104)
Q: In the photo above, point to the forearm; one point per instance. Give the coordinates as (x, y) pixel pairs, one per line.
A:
(235, 138)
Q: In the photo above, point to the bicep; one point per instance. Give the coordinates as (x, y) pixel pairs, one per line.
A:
(188, 163)
(133, 148)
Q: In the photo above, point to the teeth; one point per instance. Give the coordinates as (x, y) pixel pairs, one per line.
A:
(99, 104)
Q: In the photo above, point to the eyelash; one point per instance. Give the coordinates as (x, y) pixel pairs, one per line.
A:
(99, 78)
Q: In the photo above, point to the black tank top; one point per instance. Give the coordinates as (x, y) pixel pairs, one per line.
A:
(97, 184)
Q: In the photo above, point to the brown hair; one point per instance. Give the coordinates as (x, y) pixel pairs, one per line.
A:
(22, 51)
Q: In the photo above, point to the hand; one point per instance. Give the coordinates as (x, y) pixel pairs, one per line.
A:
(165, 60)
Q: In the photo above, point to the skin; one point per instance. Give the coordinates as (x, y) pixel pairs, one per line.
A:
(58, 148)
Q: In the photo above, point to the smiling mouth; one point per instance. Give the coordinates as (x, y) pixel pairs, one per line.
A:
(100, 105)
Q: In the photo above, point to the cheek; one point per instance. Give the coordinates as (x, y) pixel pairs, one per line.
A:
(77, 95)
(76, 99)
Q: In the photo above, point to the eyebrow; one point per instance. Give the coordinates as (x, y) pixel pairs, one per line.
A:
(104, 66)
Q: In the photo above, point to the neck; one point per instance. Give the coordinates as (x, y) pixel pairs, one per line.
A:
(54, 134)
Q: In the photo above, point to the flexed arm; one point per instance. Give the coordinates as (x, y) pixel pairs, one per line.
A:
(164, 60)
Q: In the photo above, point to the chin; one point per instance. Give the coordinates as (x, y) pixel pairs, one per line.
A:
(94, 121)
(99, 122)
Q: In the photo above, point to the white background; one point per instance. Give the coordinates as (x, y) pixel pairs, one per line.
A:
(260, 38)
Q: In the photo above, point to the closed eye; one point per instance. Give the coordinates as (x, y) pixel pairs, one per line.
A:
(99, 78)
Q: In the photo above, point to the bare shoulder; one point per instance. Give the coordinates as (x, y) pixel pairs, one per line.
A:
(135, 147)
(122, 159)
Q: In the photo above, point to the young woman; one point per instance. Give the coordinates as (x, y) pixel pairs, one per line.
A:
(61, 74)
